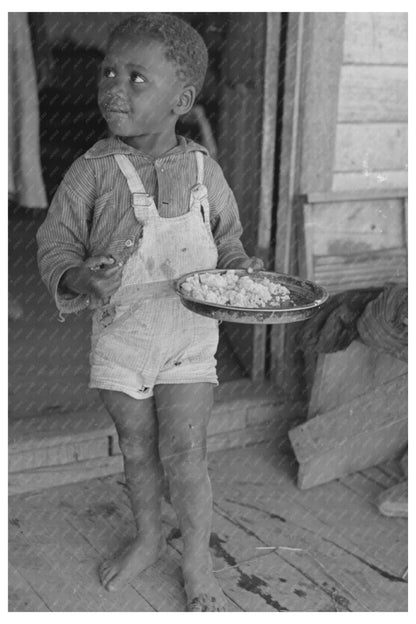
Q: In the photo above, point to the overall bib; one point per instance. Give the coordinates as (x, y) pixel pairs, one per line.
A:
(152, 338)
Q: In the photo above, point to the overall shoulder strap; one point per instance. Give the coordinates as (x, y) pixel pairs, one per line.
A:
(130, 173)
(199, 167)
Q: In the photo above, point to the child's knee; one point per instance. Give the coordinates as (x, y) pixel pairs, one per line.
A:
(183, 449)
(138, 448)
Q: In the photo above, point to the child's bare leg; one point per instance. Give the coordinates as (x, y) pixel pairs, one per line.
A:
(137, 430)
(183, 412)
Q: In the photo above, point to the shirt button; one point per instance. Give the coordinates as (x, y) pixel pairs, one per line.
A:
(128, 243)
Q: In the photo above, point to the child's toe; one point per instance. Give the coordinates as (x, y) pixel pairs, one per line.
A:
(204, 602)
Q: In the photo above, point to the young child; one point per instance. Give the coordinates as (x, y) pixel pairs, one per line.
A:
(134, 213)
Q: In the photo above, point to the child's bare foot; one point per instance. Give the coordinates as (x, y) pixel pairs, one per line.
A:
(138, 556)
(202, 590)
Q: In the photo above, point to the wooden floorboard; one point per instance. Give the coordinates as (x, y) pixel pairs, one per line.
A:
(274, 547)
(22, 596)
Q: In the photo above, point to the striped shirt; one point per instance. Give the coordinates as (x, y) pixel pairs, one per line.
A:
(91, 210)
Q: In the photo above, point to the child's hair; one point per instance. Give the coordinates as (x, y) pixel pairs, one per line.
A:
(183, 45)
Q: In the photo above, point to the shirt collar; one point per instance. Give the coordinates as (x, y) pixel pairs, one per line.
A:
(114, 145)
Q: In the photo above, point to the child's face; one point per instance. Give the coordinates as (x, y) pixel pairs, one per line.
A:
(138, 88)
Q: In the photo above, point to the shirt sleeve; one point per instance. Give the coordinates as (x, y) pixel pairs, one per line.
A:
(63, 237)
(224, 218)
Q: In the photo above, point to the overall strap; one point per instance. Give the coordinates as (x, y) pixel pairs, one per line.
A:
(199, 167)
(130, 173)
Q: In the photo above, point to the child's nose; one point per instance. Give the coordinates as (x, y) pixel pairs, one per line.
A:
(116, 87)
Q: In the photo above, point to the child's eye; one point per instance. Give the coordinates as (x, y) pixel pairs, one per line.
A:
(135, 77)
(108, 72)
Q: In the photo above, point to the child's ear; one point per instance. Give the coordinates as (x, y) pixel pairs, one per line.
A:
(185, 101)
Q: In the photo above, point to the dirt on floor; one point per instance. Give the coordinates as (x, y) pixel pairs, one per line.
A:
(275, 547)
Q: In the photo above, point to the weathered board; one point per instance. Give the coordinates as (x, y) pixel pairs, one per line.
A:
(369, 148)
(377, 37)
(51, 451)
(353, 243)
(63, 453)
(345, 375)
(373, 93)
(275, 548)
(358, 434)
(373, 180)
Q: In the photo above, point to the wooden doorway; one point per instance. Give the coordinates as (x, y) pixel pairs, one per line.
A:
(251, 64)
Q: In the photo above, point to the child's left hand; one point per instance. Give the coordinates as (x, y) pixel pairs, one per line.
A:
(251, 264)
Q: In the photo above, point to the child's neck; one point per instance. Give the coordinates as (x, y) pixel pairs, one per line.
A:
(153, 144)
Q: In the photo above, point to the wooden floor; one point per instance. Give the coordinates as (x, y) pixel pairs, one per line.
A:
(275, 547)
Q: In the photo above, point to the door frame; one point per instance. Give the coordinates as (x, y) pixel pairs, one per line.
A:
(267, 174)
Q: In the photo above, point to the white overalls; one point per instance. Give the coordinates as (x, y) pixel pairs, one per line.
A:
(153, 339)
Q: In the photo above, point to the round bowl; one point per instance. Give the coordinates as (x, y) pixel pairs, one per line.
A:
(306, 299)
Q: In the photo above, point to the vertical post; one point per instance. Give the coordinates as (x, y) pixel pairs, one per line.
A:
(289, 176)
(313, 65)
(267, 171)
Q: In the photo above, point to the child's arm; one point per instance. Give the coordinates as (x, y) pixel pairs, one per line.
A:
(63, 245)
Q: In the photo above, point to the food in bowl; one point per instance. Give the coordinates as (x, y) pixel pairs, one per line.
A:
(229, 288)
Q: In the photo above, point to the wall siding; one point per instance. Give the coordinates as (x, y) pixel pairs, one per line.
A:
(379, 38)
(373, 93)
(385, 147)
(371, 130)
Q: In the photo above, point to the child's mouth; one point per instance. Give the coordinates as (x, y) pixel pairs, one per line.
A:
(116, 111)
(112, 108)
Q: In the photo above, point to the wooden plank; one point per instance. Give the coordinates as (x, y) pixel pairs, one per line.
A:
(356, 453)
(373, 93)
(267, 172)
(61, 539)
(368, 553)
(361, 275)
(253, 578)
(57, 455)
(350, 373)
(359, 271)
(332, 511)
(250, 435)
(270, 103)
(289, 178)
(370, 148)
(389, 255)
(348, 228)
(257, 549)
(323, 63)
(53, 476)
(379, 38)
(371, 482)
(333, 197)
(382, 406)
(373, 180)
(353, 243)
(327, 565)
(49, 431)
(22, 597)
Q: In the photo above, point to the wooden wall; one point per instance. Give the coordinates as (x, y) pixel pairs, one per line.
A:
(354, 115)
(371, 132)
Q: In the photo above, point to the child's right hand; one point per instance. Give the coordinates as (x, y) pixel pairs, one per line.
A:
(99, 276)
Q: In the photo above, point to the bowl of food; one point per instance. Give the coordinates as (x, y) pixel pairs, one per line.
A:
(260, 297)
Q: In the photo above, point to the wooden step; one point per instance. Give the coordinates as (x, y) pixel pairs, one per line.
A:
(47, 451)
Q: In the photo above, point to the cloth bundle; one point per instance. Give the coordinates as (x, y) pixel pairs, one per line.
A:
(384, 323)
(335, 326)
